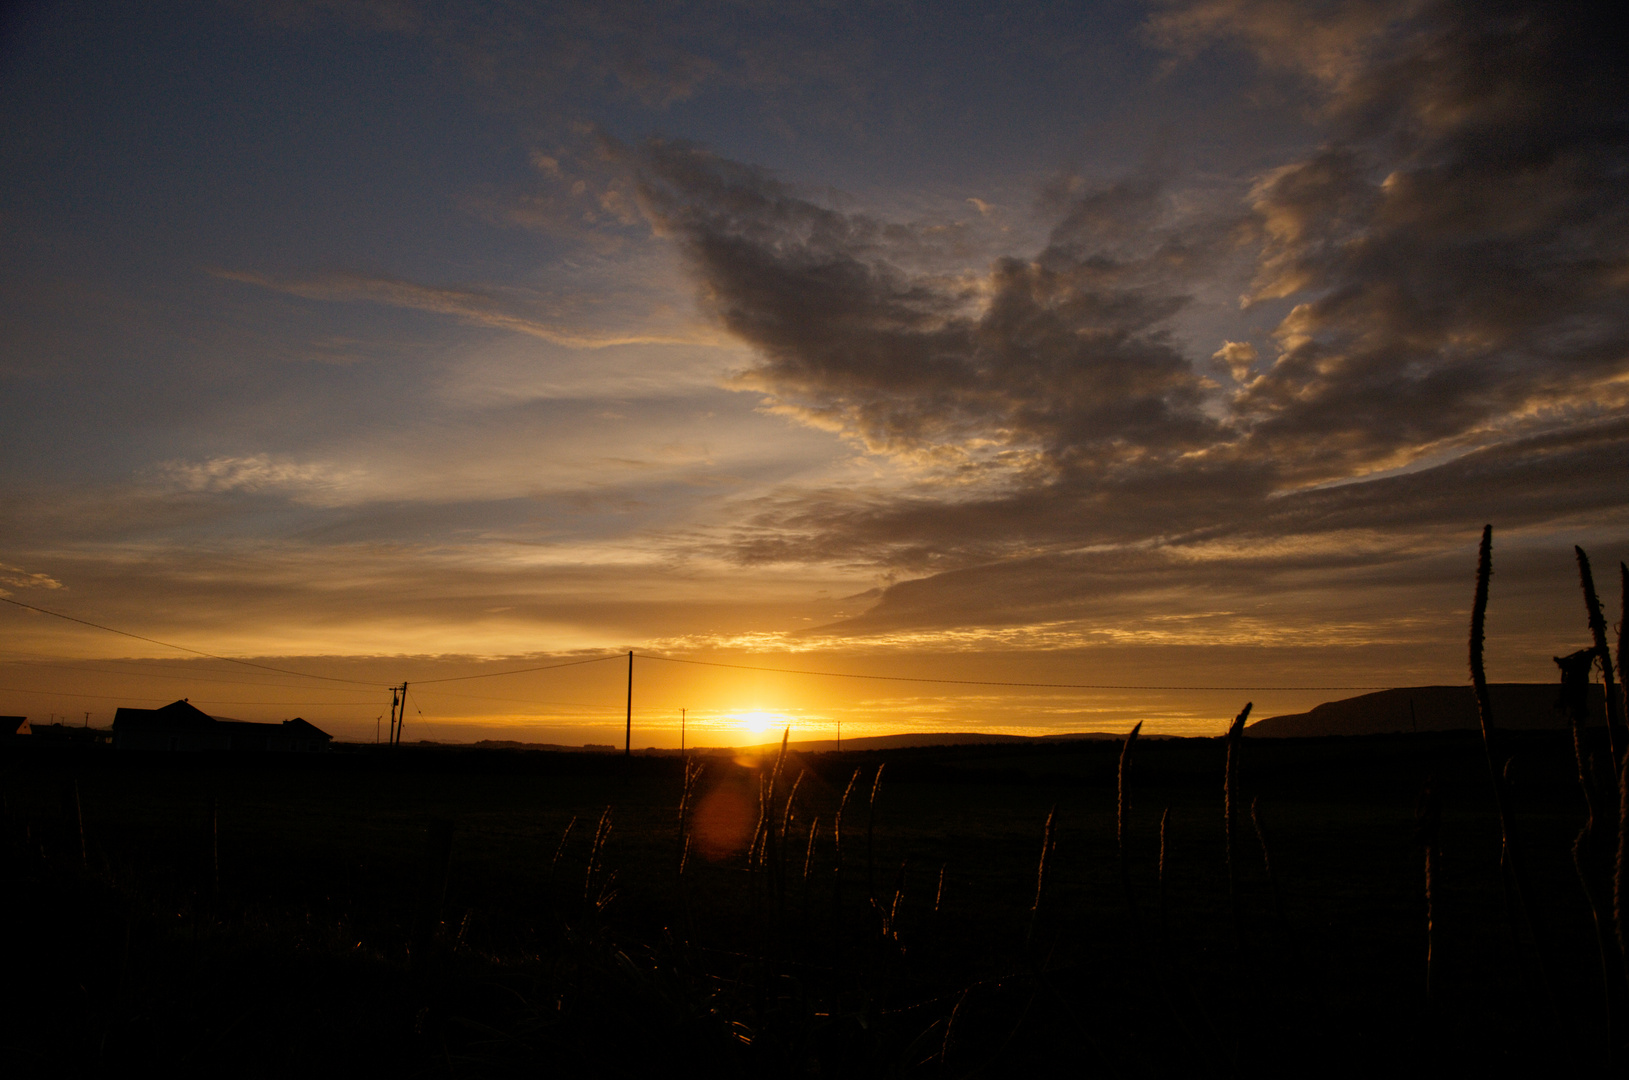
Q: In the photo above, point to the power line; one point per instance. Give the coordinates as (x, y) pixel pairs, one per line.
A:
(516, 701)
(518, 671)
(991, 682)
(160, 697)
(77, 694)
(183, 648)
(77, 665)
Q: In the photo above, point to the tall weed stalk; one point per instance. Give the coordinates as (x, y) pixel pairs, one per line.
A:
(837, 850)
(1509, 858)
(1597, 630)
(1122, 812)
(1428, 820)
(870, 836)
(1047, 843)
(1230, 792)
(1620, 862)
(1575, 687)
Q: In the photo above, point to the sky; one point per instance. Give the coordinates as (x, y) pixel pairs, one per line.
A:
(1145, 345)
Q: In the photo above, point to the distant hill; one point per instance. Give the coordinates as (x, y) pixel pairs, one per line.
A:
(941, 738)
(558, 748)
(1428, 708)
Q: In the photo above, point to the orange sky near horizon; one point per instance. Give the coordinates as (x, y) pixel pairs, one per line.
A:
(1158, 345)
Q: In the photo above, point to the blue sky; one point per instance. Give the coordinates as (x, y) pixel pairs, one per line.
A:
(1067, 337)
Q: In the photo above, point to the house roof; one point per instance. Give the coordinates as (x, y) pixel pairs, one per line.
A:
(177, 715)
(301, 726)
(182, 716)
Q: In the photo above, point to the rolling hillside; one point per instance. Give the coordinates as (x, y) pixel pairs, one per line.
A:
(1427, 708)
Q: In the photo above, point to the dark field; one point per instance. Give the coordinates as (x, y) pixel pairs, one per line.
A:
(416, 911)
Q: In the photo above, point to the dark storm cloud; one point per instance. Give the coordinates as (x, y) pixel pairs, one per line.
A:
(1455, 254)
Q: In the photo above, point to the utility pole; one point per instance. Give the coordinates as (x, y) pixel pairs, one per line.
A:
(401, 721)
(627, 737)
(87, 717)
(392, 740)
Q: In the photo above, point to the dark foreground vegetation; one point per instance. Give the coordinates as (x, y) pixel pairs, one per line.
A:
(429, 911)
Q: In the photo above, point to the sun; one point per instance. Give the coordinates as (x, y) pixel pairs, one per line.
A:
(760, 723)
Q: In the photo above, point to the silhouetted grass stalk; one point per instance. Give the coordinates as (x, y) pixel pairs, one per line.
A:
(1040, 872)
(870, 827)
(692, 774)
(1230, 784)
(1508, 857)
(1165, 818)
(1429, 819)
(766, 822)
(808, 862)
(837, 849)
(788, 814)
(1575, 687)
(1623, 627)
(602, 833)
(1121, 812)
(890, 918)
(560, 849)
(1272, 882)
(1620, 863)
(1597, 630)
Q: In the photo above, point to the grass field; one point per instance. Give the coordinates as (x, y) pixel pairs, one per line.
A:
(427, 911)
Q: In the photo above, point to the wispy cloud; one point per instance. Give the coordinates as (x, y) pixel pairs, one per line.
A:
(470, 306)
(308, 482)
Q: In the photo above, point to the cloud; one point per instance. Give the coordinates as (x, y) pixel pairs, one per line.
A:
(18, 578)
(1042, 365)
(1457, 248)
(1235, 358)
(1455, 349)
(310, 483)
(1333, 42)
(468, 305)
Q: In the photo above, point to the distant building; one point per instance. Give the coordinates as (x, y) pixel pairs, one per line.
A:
(180, 726)
(71, 734)
(17, 729)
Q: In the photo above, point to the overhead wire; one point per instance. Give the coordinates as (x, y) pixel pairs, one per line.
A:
(160, 697)
(78, 665)
(521, 701)
(519, 671)
(183, 648)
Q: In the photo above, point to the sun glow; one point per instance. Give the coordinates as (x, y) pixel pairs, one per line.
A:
(759, 723)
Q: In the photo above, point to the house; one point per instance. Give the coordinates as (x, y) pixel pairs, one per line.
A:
(68, 735)
(181, 726)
